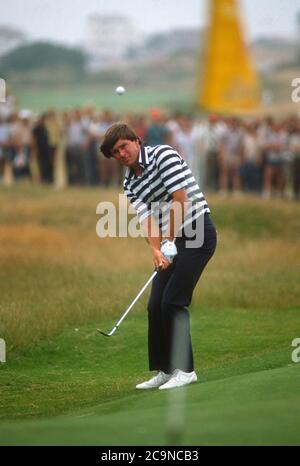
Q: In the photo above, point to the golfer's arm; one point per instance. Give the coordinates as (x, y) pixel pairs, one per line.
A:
(177, 209)
(153, 235)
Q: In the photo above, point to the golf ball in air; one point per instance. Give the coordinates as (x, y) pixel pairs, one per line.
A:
(120, 90)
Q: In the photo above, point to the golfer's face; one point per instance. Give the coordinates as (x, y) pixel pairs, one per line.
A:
(126, 152)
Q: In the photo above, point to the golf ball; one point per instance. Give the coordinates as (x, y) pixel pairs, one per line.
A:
(120, 90)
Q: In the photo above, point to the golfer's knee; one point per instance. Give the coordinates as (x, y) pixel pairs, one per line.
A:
(168, 306)
(175, 308)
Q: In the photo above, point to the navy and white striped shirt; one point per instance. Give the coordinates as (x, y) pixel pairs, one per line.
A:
(164, 172)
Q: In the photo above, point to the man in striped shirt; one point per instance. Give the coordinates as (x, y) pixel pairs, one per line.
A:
(174, 215)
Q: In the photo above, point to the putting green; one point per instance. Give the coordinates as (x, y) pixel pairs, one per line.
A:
(260, 408)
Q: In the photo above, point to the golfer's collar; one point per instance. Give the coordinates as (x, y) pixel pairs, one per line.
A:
(143, 157)
(143, 161)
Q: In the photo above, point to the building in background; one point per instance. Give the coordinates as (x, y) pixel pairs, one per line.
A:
(108, 38)
(168, 42)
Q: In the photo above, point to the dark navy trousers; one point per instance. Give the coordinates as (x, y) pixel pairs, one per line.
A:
(169, 338)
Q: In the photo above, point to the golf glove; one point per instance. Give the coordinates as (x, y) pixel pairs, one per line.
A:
(168, 249)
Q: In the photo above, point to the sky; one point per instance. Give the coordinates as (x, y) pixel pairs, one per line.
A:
(65, 20)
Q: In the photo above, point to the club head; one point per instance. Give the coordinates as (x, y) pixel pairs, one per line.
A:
(103, 333)
(129, 308)
(107, 334)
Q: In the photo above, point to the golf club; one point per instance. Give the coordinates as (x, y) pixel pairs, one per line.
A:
(130, 306)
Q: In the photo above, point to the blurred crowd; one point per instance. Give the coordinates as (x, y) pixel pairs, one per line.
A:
(226, 154)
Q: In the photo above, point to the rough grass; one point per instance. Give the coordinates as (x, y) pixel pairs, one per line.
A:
(59, 282)
(55, 271)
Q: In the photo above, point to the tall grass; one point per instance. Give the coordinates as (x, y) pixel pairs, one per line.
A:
(56, 273)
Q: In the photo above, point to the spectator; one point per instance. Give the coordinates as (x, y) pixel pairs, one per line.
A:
(251, 166)
(231, 153)
(224, 154)
(76, 145)
(157, 132)
(183, 139)
(207, 137)
(23, 144)
(111, 172)
(4, 137)
(42, 150)
(91, 159)
(54, 132)
(294, 146)
(139, 125)
(274, 162)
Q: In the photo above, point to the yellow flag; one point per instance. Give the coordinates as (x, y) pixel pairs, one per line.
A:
(229, 80)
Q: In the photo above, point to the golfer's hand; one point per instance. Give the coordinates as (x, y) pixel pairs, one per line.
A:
(159, 260)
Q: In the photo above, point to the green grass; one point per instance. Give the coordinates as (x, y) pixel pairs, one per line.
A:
(66, 386)
(81, 366)
(254, 409)
(247, 384)
(134, 99)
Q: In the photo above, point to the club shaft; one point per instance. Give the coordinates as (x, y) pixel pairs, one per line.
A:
(136, 298)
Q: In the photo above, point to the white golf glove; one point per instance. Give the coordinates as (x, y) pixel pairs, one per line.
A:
(168, 249)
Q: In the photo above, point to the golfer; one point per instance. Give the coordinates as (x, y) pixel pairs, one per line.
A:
(182, 238)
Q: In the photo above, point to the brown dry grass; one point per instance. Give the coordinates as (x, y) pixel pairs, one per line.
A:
(56, 272)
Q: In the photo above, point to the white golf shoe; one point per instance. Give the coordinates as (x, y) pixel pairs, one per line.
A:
(155, 382)
(178, 379)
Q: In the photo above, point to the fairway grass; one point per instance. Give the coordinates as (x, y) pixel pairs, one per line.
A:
(134, 99)
(259, 408)
(80, 367)
(247, 390)
(63, 383)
